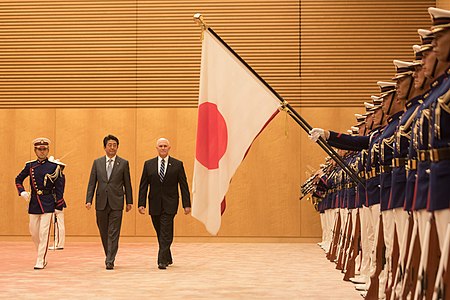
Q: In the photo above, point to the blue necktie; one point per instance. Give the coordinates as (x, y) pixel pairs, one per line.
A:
(161, 170)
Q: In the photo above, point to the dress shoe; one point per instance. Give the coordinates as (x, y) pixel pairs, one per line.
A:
(36, 267)
(109, 266)
(362, 287)
(359, 279)
(162, 266)
(55, 248)
(170, 263)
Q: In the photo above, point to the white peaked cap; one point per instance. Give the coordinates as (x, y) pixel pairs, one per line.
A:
(376, 98)
(424, 33)
(402, 64)
(383, 84)
(440, 19)
(368, 105)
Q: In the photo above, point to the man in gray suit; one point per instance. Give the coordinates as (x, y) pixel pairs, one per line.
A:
(163, 174)
(110, 175)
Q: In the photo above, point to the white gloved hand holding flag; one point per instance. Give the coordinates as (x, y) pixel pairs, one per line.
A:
(316, 133)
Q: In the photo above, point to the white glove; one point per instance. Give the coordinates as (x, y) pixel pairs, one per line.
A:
(315, 133)
(25, 195)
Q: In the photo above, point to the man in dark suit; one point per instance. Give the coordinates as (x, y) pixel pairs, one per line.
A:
(163, 174)
(110, 175)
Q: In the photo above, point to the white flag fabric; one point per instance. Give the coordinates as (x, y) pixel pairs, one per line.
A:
(233, 107)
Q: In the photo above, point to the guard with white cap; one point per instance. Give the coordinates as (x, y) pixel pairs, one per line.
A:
(47, 193)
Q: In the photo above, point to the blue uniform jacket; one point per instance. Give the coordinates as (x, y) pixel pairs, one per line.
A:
(421, 133)
(386, 153)
(47, 186)
(440, 139)
(401, 145)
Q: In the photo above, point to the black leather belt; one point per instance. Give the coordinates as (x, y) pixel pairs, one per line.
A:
(423, 155)
(386, 169)
(43, 192)
(439, 154)
(399, 162)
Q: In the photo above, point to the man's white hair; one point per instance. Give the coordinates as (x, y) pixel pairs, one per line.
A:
(162, 139)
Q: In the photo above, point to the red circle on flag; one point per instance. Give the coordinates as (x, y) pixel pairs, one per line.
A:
(212, 136)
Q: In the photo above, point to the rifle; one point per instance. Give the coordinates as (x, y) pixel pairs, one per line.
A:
(352, 232)
(442, 284)
(354, 250)
(331, 255)
(429, 262)
(412, 265)
(55, 232)
(341, 233)
(345, 242)
(394, 266)
(372, 292)
(399, 274)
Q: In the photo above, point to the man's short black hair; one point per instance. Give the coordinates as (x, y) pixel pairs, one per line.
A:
(108, 138)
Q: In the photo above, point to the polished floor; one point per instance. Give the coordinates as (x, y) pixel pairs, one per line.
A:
(200, 271)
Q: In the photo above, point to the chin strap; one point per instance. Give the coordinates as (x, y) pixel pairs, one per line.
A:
(411, 84)
(390, 104)
(433, 72)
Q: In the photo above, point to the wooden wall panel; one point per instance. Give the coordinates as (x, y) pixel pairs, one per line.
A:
(444, 4)
(136, 53)
(347, 46)
(68, 53)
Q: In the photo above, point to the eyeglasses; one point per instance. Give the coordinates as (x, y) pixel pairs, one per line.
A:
(40, 148)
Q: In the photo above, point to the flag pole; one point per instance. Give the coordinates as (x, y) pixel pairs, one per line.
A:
(198, 18)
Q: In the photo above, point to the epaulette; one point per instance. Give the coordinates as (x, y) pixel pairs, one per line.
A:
(56, 161)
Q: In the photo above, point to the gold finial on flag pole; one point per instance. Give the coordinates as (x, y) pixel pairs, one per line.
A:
(198, 18)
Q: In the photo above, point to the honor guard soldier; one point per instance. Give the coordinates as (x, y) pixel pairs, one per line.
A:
(364, 127)
(47, 188)
(419, 214)
(420, 132)
(439, 199)
(409, 88)
(412, 158)
(392, 108)
(407, 93)
(438, 71)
